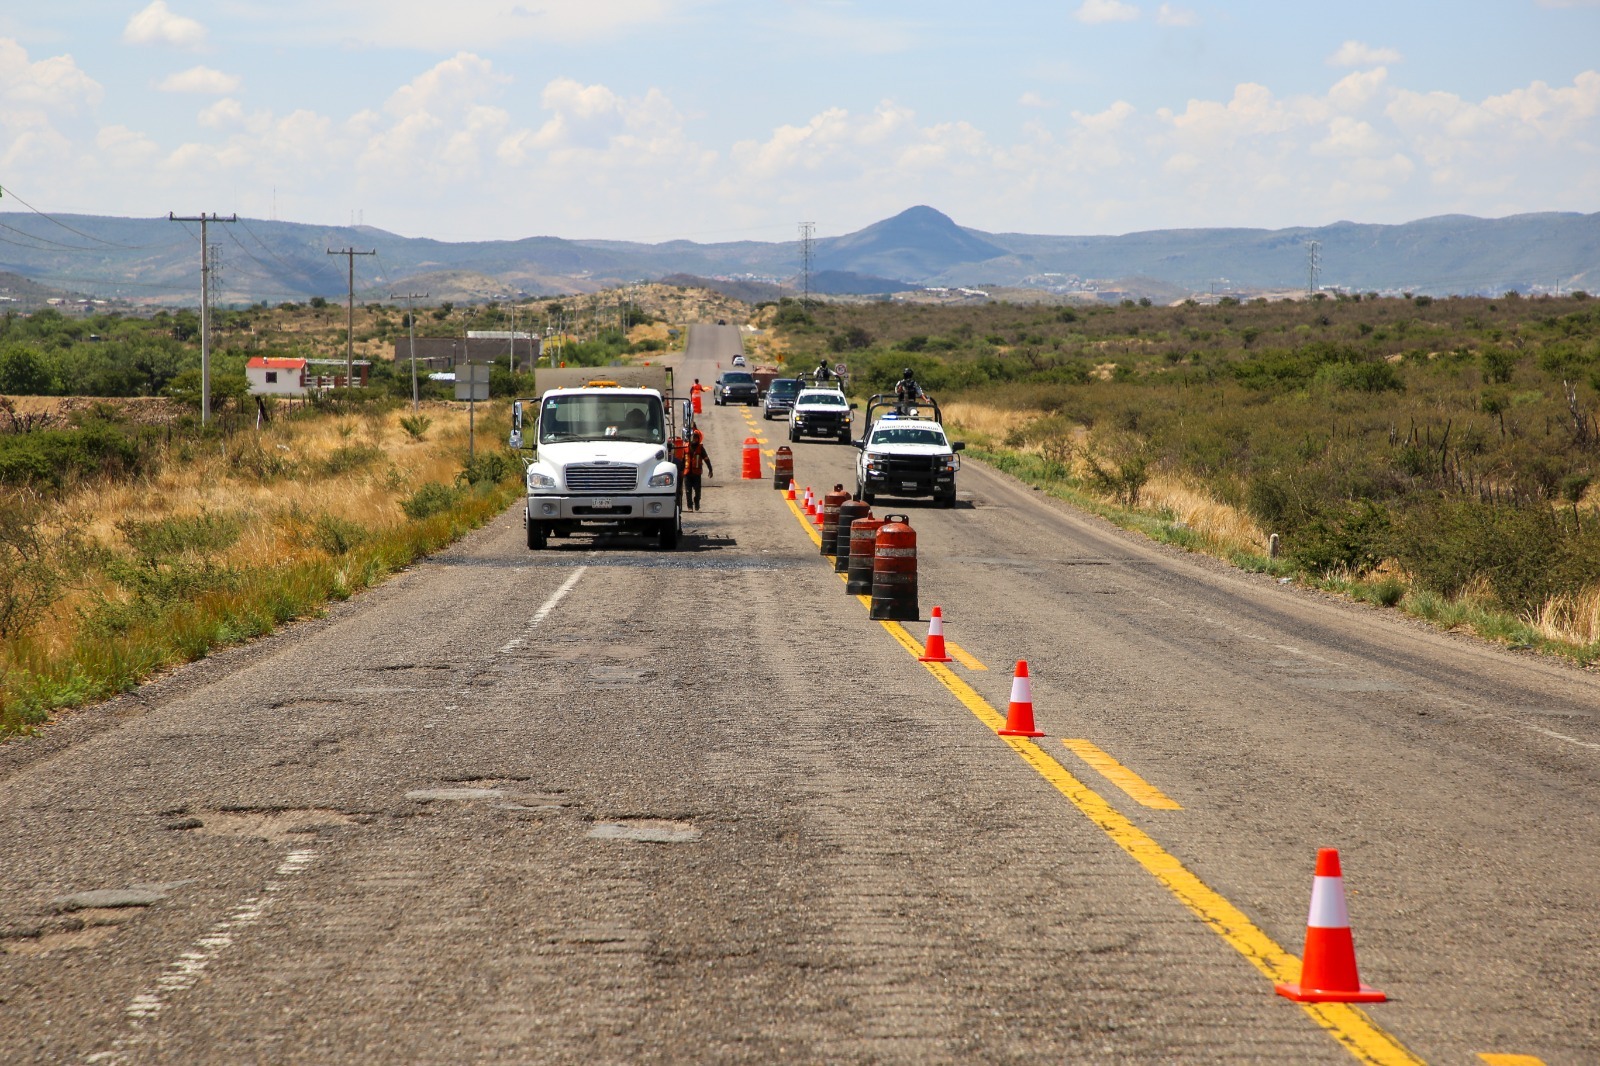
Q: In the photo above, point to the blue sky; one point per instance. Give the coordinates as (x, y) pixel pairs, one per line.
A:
(717, 120)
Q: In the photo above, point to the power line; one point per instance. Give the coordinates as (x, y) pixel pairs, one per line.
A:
(48, 218)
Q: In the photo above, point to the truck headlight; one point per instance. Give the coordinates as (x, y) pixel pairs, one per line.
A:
(662, 480)
(537, 480)
(952, 462)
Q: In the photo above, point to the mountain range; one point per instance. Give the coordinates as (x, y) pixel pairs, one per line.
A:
(157, 261)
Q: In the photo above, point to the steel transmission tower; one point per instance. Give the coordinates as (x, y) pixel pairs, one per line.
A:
(808, 240)
(1313, 265)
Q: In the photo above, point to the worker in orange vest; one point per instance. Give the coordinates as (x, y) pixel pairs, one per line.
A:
(678, 449)
(696, 459)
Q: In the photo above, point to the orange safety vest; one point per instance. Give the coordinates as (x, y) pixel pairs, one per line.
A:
(697, 459)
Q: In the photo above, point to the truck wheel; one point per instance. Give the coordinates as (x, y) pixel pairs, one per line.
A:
(844, 438)
(947, 501)
(669, 534)
(794, 437)
(538, 536)
(863, 495)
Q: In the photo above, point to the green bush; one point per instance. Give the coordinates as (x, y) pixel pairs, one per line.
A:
(431, 499)
(166, 538)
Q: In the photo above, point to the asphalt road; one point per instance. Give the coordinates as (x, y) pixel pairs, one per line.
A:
(608, 804)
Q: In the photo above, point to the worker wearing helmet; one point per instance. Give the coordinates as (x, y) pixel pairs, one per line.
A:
(906, 390)
(695, 458)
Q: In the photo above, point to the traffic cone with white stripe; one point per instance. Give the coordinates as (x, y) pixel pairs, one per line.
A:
(790, 494)
(1019, 715)
(1328, 973)
(807, 505)
(935, 652)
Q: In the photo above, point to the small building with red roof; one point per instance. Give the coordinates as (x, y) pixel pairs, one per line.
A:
(276, 377)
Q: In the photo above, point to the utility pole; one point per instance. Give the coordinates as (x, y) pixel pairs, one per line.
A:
(350, 314)
(411, 325)
(205, 304)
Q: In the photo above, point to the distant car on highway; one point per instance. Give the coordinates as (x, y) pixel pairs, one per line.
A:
(736, 386)
(738, 360)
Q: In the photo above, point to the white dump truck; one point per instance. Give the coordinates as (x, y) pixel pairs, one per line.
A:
(601, 453)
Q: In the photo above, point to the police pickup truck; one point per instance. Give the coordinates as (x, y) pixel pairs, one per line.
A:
(905, 452)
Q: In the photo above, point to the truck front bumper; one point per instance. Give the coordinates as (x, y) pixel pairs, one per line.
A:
(631, 507)
(918, 484)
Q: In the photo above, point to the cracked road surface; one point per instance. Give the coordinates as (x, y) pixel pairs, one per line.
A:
(607, 804)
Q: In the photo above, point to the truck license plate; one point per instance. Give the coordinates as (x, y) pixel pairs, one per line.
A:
(908, 484)
(603, 505)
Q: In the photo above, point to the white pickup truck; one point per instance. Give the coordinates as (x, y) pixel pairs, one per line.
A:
(602, 457)
(905, 452)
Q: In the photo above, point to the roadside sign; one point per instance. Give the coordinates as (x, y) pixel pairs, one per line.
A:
(472, 381)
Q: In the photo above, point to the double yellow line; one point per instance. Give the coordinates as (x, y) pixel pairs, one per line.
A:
(1350, 1026)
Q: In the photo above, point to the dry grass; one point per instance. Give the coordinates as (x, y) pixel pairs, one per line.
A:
(1226, 527)
(1573, 618)
(985, 421)
(316, 506)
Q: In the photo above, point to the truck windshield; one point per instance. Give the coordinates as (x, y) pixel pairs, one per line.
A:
(589, 416)
(907, 435)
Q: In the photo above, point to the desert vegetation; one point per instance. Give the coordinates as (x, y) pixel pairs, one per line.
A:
(1433, 454)
(129, 548)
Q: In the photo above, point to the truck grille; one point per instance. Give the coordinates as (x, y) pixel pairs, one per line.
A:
(910, 464)
(602, 478)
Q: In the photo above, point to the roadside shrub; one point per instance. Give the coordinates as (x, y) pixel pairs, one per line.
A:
(348, 457)
(1355, 539)
(487, 468)
(166, 538)
(31, 577)
(430, 499)
(415, 425)
(336, 535)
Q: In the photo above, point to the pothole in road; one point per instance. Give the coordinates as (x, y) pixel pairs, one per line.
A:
(273, 825)
(646, 831)
(45, 943)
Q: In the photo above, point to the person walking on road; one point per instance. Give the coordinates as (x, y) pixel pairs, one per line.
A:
(694, 460)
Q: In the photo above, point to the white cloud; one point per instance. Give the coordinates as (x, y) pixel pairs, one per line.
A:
(1096, 12)
(225, 112)
(158, 24)
(1032, 99)
(468, 24)
(1357, 54)
(199, 80)
(1167, 15)
(448, 86)
(1356, 90)
(53, 84)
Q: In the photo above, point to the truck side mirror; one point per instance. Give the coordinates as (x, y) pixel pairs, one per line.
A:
(516, 424)
(862, 443)
(958, 446)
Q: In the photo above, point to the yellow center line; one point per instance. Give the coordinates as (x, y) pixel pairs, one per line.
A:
(1131, 783)
(1509, 1060)
(1348, 1025)
(962, 656)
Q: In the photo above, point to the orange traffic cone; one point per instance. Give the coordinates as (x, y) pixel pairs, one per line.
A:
(790, 494)
(806, 505)
(1328, 974)
(1019, 716)
(935, 652)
